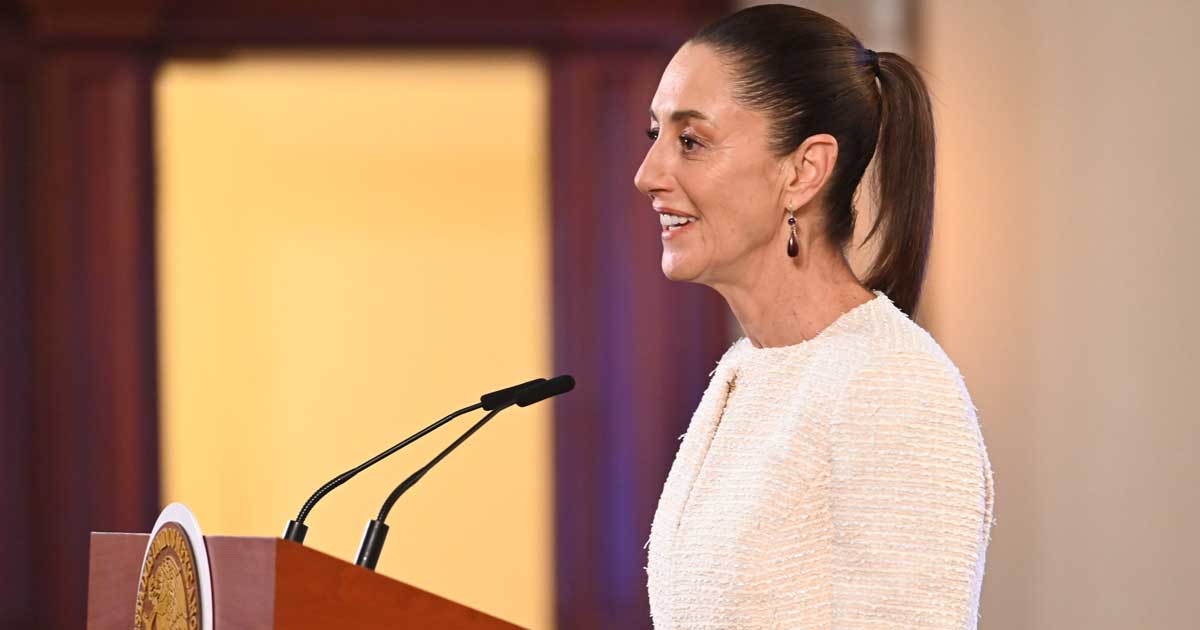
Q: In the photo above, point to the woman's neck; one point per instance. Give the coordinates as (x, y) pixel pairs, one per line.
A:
(784, 302)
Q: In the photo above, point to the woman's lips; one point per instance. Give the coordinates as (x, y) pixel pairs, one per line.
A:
(674, 231)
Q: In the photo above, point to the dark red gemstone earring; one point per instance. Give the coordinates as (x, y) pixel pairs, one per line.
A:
(793, 247)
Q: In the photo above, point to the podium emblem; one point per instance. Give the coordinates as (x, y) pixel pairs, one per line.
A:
(174, 591)
(167, 597)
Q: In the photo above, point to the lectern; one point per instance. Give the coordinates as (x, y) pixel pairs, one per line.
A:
(274, 584)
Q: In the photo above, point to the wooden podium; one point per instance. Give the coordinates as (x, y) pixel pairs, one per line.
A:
(274, 584)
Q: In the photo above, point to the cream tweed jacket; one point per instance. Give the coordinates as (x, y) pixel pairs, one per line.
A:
(839, 483)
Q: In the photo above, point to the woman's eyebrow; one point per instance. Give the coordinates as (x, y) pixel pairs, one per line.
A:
(682, 114)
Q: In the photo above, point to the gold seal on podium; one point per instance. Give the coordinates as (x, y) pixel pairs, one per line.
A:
(168, 598)
(175, 585)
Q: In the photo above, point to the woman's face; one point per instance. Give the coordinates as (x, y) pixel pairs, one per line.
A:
(709, 165)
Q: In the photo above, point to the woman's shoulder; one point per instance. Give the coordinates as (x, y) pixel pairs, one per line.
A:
(907, 390)
(901, 375)
(909, 397)
(895, 345)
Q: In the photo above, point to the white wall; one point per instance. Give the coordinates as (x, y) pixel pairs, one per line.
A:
(1063, 284)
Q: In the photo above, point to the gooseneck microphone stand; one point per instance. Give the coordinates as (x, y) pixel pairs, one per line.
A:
(371, 546)
(497, 400)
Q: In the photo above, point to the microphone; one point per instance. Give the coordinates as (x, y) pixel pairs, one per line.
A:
(547, 389)
(376, 533)
(499, 399)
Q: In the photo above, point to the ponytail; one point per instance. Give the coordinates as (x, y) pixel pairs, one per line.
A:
(904, 180)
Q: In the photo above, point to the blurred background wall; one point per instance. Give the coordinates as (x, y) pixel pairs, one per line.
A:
(179, 254)
(338, 236)
(1063, 284)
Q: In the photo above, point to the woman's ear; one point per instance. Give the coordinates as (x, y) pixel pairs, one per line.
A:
(808, 168)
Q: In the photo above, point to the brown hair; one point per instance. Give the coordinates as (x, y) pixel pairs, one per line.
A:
(811, 75)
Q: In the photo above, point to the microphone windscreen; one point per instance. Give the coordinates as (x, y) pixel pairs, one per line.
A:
(502, 397)
(553, 387)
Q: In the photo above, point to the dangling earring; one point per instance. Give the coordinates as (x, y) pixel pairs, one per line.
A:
(793, 247)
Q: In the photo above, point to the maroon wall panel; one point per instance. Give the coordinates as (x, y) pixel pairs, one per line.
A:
(94, 436)
(16, 528)
(641, 347)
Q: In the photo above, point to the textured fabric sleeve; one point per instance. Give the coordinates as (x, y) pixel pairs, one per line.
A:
(910, 498)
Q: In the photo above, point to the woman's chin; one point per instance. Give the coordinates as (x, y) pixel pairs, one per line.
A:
(675, 267)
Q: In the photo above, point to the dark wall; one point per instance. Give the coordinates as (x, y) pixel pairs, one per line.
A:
(16, 598)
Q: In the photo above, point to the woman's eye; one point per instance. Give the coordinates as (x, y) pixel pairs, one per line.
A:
(689, 143)
(652, 133)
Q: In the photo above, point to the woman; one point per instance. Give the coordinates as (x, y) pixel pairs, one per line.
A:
(834, 474)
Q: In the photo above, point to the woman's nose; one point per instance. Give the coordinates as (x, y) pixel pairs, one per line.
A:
(650, 177)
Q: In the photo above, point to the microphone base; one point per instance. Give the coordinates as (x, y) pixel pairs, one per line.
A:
(372, 544)
(295, 532)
